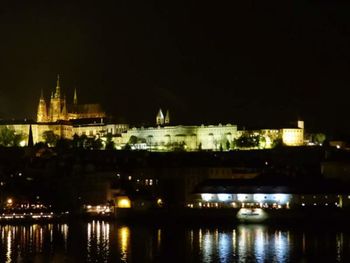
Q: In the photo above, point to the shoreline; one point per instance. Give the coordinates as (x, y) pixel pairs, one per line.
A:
(197, 216)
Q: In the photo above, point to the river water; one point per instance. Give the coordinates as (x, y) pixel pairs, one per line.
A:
(100, 241)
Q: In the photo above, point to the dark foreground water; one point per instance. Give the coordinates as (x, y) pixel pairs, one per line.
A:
(100, 241)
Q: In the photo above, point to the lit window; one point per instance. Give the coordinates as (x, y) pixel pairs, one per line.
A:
(258, 197)
(241, 197)
(224, 197)
(207, 197)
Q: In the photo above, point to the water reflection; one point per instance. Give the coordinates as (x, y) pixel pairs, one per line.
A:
(124, 238)
(19, 241)
(9, 243)
(245, 243)
(99, 241)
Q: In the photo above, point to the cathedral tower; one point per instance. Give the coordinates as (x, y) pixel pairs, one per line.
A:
(75, 99)
(55, 105)
(58, 106)
(64, 113)
(167, 118)
(42, 110)
(59, 110)
(160, 118)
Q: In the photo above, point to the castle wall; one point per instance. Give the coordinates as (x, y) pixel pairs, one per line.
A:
(190, 137)
(293, 137)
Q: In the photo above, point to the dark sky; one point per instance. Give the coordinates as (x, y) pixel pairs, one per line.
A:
(243, 62)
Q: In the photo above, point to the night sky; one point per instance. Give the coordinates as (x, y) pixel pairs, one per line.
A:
(241, 62)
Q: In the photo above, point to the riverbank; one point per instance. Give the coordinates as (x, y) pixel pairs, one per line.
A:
(231, 215)
(193, 216)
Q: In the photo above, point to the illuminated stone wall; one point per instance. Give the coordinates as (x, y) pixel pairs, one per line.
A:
(167, 138)
(99, 129)
(212, 137)
(61, 130)
(64, 131)
(293, 137)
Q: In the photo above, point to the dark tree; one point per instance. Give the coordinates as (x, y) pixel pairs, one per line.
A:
(109, 142)
(50, 138)
(9, 138)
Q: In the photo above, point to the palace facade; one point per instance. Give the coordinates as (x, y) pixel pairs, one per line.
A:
(167, 137)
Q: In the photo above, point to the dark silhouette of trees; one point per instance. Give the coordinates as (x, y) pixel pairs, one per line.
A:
(247, 141)
(9, 138)
(50, 138)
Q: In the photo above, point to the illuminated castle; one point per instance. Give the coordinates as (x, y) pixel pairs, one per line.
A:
(66, 120)
(58, 108)
(167, 137)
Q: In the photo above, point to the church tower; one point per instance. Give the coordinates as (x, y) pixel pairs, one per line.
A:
(75, 99)
(56, 102)
(50, 108)
(64, 113)
(58, 105)
(167, 118)
(42, 111)
(160, 118)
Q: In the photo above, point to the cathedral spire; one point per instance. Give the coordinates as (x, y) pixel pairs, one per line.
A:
(160, 118)
(42, 110)
(75, 99)
(58, 80)
(58, 91)
(64, 108)
(167, 117)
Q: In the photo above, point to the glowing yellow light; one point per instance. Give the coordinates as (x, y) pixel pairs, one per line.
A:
(22, 143)
(124, 203)
(124, 237)
(159, 202)
(9, 201)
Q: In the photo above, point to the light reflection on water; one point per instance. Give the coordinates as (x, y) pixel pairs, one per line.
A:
(19, 241)
(100, 241)
(124, 239)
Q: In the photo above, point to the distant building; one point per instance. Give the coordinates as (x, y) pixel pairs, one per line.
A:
(59, 110)
(166, 137)
(61, 129)
(259, 193)
(294, 136)
(65, 120)
(288, 136)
